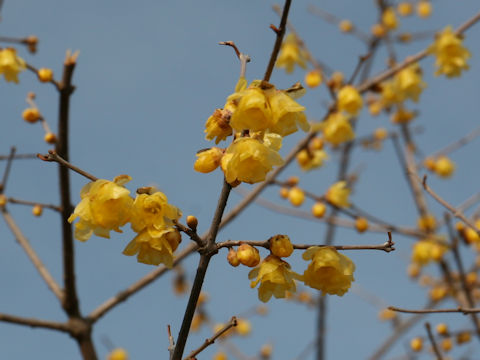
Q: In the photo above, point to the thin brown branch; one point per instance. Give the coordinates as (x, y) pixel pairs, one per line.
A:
(33, 203)
(6, 173)
(191, 233)
(436, 350)
(455, 212)
(462, 310)
(278, 41)
(123, 295)
(32, 255)
(386, 246)
(35, 70)
(34, 323)
(18, 156)
(211, 340)
(52, 156)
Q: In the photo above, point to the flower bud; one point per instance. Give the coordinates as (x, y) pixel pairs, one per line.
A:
(281, 246)
(380, 134)
(45, 75)
(284, 192)
(416, 344)
(32, 42)
(118, 354)
(446, 344)
(248, 255)
(378, 30)
(463, 337)
(405, 8)
(31, 115)
(361, 224)
(37, 210)
(3, 200)
(50, 138)
(232, 258)
(319, 209)
(208, 160)
(192, 222)
(442, 329)
(243, 327)
(345, 26)
(174, 239)
(313, 78)
(424, 9)
(266, 351)
(296, 196)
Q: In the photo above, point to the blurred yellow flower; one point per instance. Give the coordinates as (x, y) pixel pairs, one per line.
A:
(105, 206)
(313, 78)
(218, 125)
(349, 100)
(424, 9)
(275, 278)
(389, 19)
(444, 167)
(288, 115)
(11, 65)
(409, 83)
(328, 271)
(296, 196)
(337, 129)
(291, 54)
(118, 354)
(450, 54)
(405, 8)
(338, 194)
(425, 251)
(248, 160)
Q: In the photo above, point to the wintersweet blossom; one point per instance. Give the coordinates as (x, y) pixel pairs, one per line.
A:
(444, 167)
(425, 251)
(337, 129)
(217, 126)
(281, 246)
(291, 54)
(450, 54)
(349, 100)
(11, 64)
(105, 205)
(338, 194)
(208, 160)
(275, 278)
(249, 160)
(328, 271)
(311, 159)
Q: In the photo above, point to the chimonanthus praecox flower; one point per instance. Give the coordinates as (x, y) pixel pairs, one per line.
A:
(153, 220)
(105, 205)
(275, 278)
(291, 54)
(450, 54)
(338, 194)
(11, 64)
(328, 271)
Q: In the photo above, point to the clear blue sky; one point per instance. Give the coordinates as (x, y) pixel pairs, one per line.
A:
(148, 76)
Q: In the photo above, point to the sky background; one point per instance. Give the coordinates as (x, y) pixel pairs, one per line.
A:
(148, 76)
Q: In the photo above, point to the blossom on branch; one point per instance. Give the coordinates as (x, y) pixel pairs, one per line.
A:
(11, 65)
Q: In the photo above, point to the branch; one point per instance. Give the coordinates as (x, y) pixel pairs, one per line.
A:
(33, 203)
(3, 184)
(123, 295)
(34, 322)
(52, 156)
(18, 156)
(458, 214)
(32, 255)
(462, 310)
(210, 341)
(432, 341)
(280, 32)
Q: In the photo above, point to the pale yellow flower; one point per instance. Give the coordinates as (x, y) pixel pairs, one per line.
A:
(208, 160)
(328, 271)
(291, 54)
(338, 194)
(349, 100)
(218, 125)
(425, 251)
(105, 206)
(337, 129)
(11, 64)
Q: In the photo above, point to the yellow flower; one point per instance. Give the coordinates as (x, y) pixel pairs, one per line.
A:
(153, 220)
(243, 327)
(425, 251)
(290, 54)
(287, 114)
(105, 206)
(416, 344)
(409, 82)
(220, 356)
(208, 160)
(313, 78)
(45, 75)
(444, 167)
(253, 111)
(349, 100)
(154, 247)
(275, 278)
(217, 125)
(387, 314)
(389, 19)
(427, 222)
(328, 271)
(11, 65)
(337, 129)
(248, 255)
(248, 160)
(319, 209)
(450, 54)
(311, 159)
(338, 194)
(402, 116)
(281, 246)
(378, 30)
(118, 354)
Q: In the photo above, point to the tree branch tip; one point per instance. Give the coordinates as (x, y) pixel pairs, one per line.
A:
(71, 59)
(275, 29)
(424, 181)
(44, 157)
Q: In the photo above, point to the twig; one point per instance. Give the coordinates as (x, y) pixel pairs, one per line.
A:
(455, 212)
(3, 184)
(123, 295)
(191, 233)
(32, 322)
(462, 310)
(35, 70)
(18, 156)
(432, 341)
(171, 342)
(386, 246)
(244, 58)
(457, 144)
(33, 203)
(42, 270)
(280, 32)
(210, 341)
(53, 156)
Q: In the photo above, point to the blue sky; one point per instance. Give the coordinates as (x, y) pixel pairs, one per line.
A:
(148, 76)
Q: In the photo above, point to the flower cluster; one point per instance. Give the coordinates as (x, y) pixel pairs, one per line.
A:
(10, 64)
(107, 205)
(328, 271)
(260, 116)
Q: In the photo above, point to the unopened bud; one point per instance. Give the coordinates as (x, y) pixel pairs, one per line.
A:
(248, 255)
(192, 222)
(37, 210)
(232, 258)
